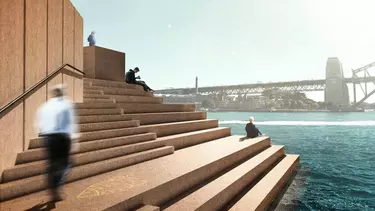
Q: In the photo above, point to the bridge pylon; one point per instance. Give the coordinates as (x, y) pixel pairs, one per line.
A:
(336, 91)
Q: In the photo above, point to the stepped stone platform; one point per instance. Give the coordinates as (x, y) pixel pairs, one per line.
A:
(135, 153)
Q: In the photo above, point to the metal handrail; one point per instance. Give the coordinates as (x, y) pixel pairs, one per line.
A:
(31, 89)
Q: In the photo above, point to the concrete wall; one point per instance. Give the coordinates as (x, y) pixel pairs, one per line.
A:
(37, 37)
(102, 63)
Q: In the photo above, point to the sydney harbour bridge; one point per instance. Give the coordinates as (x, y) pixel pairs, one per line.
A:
(334, 86)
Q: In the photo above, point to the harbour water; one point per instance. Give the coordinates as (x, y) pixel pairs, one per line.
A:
(337, 156)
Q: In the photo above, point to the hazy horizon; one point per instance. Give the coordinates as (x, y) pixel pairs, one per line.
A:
(233, 42)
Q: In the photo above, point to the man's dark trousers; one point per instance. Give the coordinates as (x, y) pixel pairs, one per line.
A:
(145, 87)
(58, 148)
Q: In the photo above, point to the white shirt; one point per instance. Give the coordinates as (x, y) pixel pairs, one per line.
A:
(57, 115)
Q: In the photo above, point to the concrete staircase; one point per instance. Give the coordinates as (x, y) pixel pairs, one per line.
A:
(126, 159)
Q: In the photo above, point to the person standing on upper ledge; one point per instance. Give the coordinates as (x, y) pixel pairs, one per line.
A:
(251, 130)
(91, 39)
(131, 79)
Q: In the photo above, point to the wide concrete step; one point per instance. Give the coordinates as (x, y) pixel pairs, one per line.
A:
(148, 208)
(157, 118)
(96, 96)
(166, 129)
(96, 100)
(152, 182)
(40, 153)
(217, 193)
(101, 118)
(88, 82)
(183, 140)
(264, 192)
(136, 99)
(118, 91)
(178, 141)
(40, 167)
(33, 184)
(92, 91)
(108, 125)
(90, 112)
(161, 130)
(121, 99)
(130, 108)
(95, 105)
(205, 161)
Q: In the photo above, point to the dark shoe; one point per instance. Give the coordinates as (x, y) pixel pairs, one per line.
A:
(56, 196)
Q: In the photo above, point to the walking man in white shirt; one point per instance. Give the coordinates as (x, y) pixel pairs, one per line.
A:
(56, 124)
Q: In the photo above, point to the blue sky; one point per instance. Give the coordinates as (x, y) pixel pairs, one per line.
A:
(233, 41)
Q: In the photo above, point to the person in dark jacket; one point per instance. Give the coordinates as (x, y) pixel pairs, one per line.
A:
(131, 79)
(91, 39)
(251, 130)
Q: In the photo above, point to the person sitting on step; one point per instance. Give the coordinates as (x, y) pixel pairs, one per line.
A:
(131, 79)
(251, 130)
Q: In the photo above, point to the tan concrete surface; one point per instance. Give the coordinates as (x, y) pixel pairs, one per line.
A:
(130, 108)
(78, 40)
(96, 83)
(157, 118)
(36, 42)
(161, 130)
(55, 38)
(117, 91)
(108, 125)
(102, 63)
(29, 185)
(11, 141)
(68, 80)
(88, 112)
(263, 193)
(92, 91)
(89, 64)
(78, 55)
(101, 118)
(136, 99)
(32, 103)
(125, 185)
(223, 189)
(55, 18)
(99, 96)
(58, 79)
(40, 167)
(94, 105)
(43, 44)
(166, 129)
(36, 60)
(68, 30)
(11, 80)
(93, 100)
(188, 139)
(148, 208)
(39, 153)
(178, 141)
(11, 50)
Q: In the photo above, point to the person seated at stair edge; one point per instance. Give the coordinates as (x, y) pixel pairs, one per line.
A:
(251, 130)
(131, 79)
